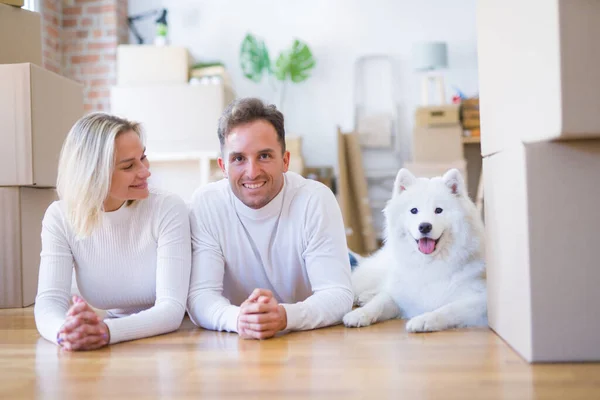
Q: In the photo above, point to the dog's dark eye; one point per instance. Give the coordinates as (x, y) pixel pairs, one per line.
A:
(414, 211)
(438, 210)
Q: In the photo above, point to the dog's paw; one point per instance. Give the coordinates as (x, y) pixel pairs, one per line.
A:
(428, 322)
(357, 318)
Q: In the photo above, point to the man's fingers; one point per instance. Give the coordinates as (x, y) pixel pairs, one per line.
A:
(253, 308)
(266, 334)
(264, 299)
(252, 327)
(260, 292)
(248, 334)
(259, 318)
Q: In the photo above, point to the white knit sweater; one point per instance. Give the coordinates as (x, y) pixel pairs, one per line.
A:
(136, 265)
(294, 246)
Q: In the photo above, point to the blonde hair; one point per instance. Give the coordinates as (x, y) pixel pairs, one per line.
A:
(86, 165)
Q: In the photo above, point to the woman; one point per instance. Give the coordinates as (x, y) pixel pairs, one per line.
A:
(129, 245)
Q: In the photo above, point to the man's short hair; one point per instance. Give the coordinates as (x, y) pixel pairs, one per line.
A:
(250, 109)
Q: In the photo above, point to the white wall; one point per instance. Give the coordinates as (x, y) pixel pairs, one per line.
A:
(338, 31)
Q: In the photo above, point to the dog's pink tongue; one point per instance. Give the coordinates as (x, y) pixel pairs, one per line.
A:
(426, 245)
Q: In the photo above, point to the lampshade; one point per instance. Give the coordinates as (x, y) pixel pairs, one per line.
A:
(429, 56)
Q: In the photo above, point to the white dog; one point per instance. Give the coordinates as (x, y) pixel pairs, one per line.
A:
(431, 269)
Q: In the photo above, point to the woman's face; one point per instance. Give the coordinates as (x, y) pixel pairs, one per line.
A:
(129, 179)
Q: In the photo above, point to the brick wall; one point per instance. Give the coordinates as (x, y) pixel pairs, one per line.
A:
(89, 31)
(122, 28)
(51, 34)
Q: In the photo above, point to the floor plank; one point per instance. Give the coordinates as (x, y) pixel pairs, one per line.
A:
(378, 362)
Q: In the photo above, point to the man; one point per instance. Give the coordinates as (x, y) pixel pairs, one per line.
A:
(269, 247)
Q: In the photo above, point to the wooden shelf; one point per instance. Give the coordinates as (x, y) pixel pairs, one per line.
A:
(471, 139)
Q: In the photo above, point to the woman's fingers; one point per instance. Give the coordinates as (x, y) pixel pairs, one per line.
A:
(86, 317)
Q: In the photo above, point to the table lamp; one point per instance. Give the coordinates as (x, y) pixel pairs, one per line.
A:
(430, 58)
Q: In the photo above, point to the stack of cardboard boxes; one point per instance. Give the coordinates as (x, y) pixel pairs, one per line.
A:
(37, 110)
(179, 119)
(541, 146)
(437, 142)
(469, 115)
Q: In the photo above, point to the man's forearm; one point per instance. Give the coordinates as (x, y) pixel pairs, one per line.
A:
(323, 308)
(214, 312)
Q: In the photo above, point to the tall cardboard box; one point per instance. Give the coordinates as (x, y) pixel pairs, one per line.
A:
(21, 212)
(147, 64)
(438, 144)
(349, 202)
(37, 110)
(353, 195)
(20, 36)
(437, 136)
(538, 82)
(176, 118)
(543, 265)
(431, 170)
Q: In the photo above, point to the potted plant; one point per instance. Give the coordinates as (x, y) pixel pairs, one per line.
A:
(293, 64)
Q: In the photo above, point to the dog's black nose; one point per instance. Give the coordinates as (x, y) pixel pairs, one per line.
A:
(425, 227)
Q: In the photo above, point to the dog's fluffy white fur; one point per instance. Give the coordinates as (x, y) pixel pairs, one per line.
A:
(431, 268)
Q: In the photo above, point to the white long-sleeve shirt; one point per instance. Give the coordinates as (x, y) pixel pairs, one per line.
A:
(294, 246)
(136, 265)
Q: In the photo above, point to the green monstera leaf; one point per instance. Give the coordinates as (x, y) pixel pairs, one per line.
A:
(296, 63)
(254, 58)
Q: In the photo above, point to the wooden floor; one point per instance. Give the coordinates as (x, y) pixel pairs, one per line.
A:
(378, 362)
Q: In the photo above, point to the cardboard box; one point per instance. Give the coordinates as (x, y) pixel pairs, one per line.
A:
(346, 199)
(541, 207)
(352, 194)
(176, 118)
(16, 3)
(470, 103)
(21, 212)
(438, 144)
(431, 170)
(360, 190)
(37, 110)
(469, 114)
(20, 36)
(293, 144)
(147, 64)
(546, 80)
(470, 124)
(437, 115)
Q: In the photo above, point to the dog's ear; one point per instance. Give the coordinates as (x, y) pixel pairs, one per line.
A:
(403, 180)
(455, 182)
